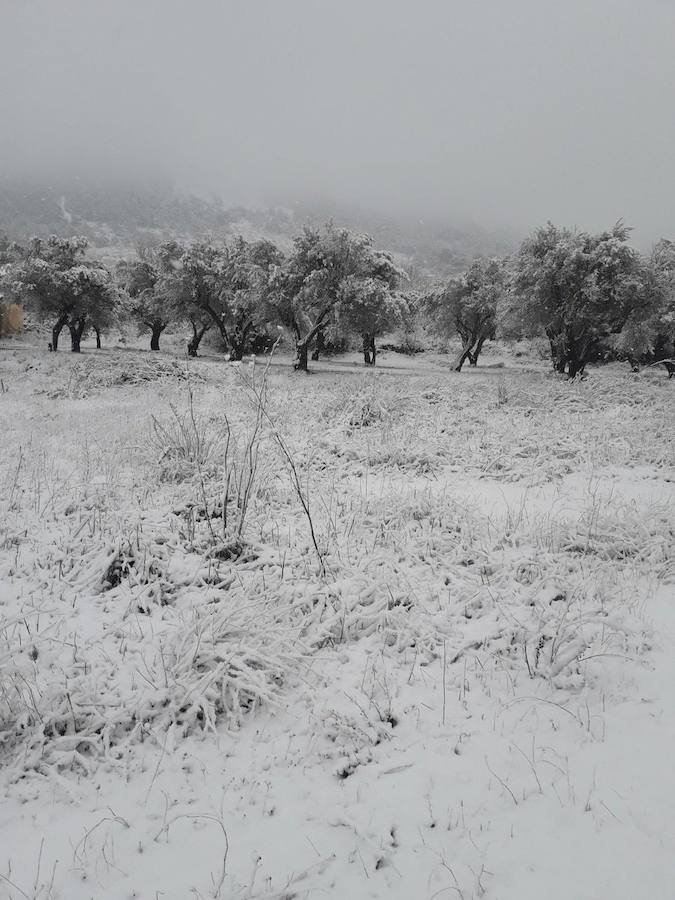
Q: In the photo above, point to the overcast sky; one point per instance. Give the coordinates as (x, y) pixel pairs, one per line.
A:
(506, 112)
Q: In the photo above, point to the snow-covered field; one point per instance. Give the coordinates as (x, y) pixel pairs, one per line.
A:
(461, 685)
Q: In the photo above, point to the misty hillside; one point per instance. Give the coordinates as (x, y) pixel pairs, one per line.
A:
(123, 214)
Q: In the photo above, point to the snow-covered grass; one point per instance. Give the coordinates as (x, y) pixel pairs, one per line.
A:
(390, 633)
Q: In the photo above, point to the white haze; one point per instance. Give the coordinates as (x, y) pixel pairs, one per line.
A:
(507, 113)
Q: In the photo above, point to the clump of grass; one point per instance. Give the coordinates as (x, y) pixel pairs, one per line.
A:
(92, 375)
(502, 392)
(19, 652)
(183, 442)
(363, 404)
(202, 664)
(224, 471)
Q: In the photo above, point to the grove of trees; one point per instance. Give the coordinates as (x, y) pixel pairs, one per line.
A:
(592, 296)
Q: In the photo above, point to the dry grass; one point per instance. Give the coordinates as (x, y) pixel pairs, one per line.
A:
(190, 584)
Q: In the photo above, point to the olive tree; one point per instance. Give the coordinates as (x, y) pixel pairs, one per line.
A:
(225, 285)
(368, 307)
(580, 288)
(329, 269)
(64, 288)
(468, 306)
(648, 335)
(146, 280)
(95, 306)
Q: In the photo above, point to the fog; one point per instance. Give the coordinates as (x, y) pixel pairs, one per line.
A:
(505, 113)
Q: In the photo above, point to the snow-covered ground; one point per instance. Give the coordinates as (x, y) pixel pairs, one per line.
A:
(463, 685)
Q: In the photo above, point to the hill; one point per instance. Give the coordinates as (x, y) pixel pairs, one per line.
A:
(122, 214)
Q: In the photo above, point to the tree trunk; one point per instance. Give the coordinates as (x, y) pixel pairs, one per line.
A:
(365, 343)
(97, 330)
(558, 352)
(300, 363)
(195, 340)
(369, 351)
(475, 353)
(578, 353)
(575, 365)
(319, 347)
(236, 350)
(463, 356)
(154, 339)
(302, 344)
(76, 332)
(559, 356)
(218, 322)
(238, 341)
(56, 331)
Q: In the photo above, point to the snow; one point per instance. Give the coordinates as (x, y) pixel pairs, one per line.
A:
(477, 698)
